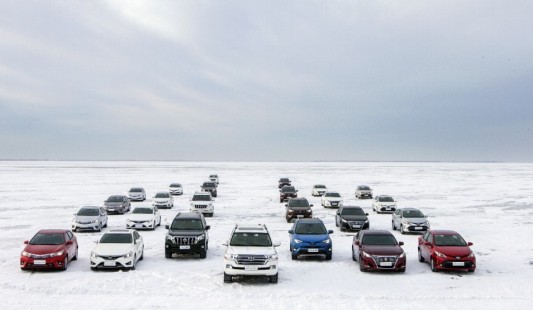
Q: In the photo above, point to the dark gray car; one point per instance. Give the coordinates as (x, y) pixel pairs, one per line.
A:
(117, 204)
(351, 218)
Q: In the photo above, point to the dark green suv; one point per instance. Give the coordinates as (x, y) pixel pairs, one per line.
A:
(187, 235)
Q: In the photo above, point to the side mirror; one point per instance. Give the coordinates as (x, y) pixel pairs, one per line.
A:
(69, 242)
(366, 214)
(26, 242)
(296, 190)
(400, 243)
(167, 226)
(427, 243)
(291, 231)
(277, 244)
(225, 243)
(330, 232)
(286, 205)
(74, 214)
(470, 244)
(207, 227)
(358, 243)
(311, 205)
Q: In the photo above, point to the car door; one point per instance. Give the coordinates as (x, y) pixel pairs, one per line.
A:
(396, 217)
(139, 245)
(355, 247)
(103, 217)
(425, 247)
(338, 216)
(70, 248)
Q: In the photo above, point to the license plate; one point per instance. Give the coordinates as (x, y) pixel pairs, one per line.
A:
(39, 262)
(458, 263)
(356, 226)
(385, 264)
(312, 250)
(299, 215)
(185, 247)
(138, 225)
(250, 268)
(111, 209)
(110, 264)
(418, 228)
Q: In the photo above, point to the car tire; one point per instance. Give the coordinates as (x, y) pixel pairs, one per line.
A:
(343, 228)
(336, 223)
(273, 279)
(361, 268)
(142, 255)
(294, 256)
(227, 278)
(168, 254)
(471, 270)
(93, 268)
(203, 254)
(133, 263)
(420, 258)
(329, 256)
(393, 226)
(75, 255)
(353, 256)
(105, 225)
(401, 229)
(433, 265)
(65, 263)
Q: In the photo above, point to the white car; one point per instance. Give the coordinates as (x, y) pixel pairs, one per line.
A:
(319, 190)
(331, 200)
(214, 178)
(175, 189)
(147, 217)
(409, 220)
(363, 191)
(118, 249)
(137, 193)
(383, 203)
(203, 202)
(163, 200)
(250, 252)
(89, 218)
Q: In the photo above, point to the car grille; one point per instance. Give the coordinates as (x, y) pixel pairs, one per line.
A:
(251, 259)
(385, 259)
(80, 222)
(139, 222)
(357, 223)
(200, 206)
(185, 240)
(110, 257)
(37, 256)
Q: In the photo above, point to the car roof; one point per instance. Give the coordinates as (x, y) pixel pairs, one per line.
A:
(202, 193)
(313, 220)
(90, 207)
(146, 206)
(443, 232)
(119, 231)
(332, 192)
(175, 184)
(375, 232)
(352, 207)
(117, 196)
(318, 185)
(52, 231)
(409, 209)
(298, 198)
(384, 196)
(188, 215)
(251, 228)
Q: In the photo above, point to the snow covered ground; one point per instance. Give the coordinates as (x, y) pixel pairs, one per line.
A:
(490, 204)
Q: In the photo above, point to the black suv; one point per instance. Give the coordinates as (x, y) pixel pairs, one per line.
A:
(187, 235)
(287, 192)
(298, 208)
(283, 181)
(210, 187)
(351, 218)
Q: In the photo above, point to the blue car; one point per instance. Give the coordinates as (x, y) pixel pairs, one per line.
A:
(310, 237)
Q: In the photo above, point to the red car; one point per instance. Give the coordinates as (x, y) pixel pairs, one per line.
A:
(49, 249)
(446, 250)
(378, 250)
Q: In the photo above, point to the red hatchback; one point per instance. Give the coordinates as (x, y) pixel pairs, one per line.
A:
(446, 250)
(49, 249)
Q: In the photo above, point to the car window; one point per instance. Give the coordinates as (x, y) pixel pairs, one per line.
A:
(48, 239)
(352, 211)
(140, 210)
(162, 195)
(386, 199)
(298, 203)
(250, 239)
(412, 214)
(449, 240)
(69, 235)
(201, 198)
(88, 212)
(310, 229)
(187, 224)
(116, 238)
(370, 239)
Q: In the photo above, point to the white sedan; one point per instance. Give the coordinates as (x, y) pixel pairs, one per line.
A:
(118, 249)
(331, 200)
(163, 200)
(147, 217)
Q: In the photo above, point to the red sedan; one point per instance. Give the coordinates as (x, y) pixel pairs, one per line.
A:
(49, 249)
(446, 250)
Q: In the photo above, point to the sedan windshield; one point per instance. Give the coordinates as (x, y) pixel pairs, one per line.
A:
(379, 240)
(136, 190)
(449, 240)
(162, 195)
(114, 199)
(116, 238)
(250, 239)
(332, 195)
(48, 239)
(353, 211)
(364, 188)
(209, 184)
(310, 229)
(201, 198)
(88, 212)
(320, 186)
(142, 211)
(298, 203)
(187, 224)
(287, 189)
(175, 185)
(386, 199)
(412, 214)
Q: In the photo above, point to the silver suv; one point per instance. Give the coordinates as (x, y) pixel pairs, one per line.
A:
(250, 252)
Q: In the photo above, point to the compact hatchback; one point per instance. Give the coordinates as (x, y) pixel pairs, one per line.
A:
(49, 249)
(89, 218)
(175, 189)
(310, 237)
(378, 250)
(446, 250)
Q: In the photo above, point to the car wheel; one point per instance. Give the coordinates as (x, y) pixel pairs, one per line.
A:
(329, 256)
(142, 255)
(159, 223)
(361, 268)
(133, 263)
(393, 226)
(203, 254)
(294, 256)
(65, 263)
(105, 225)
(420, 258)
(75, 255)
(401, 229)
(93, 268)
(433, 265)
(336, 223)
(227, 278)
(471, 270)
(343, 228)
(168, 254)
(353, 256)
(273, 279)
(99, 227)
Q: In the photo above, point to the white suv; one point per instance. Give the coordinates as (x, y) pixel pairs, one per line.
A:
(202, 202)
(250, 252)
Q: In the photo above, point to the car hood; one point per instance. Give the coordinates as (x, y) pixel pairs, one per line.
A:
(107, 203)
(416, 220)
(298, 208)
(387, 203)
(84, 218)
(333, 198)
(453, 250)
(200, 202)
(161, 199)
(251, 250)
(141, 217)
(192, 233)
(311, 238)
(113, 248)
(43, 249)
(382, 250)
(354, 217)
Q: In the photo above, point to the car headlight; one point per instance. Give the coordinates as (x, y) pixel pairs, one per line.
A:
(272, 257)
(365, 254)
(58, 253)
(94, 222)
(93, 255)
(439, 254)
(130, 254)
(309, 211)
(27, 254)
(327, 241)
(344, 221)
(170, 238)
(230, 256)
(201, 237)
(402, 255)
(297, 241)
(366, 221)
(471, 255)
(290, 211)
(406, 223)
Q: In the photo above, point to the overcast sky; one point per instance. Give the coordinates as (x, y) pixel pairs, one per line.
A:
(267, 80)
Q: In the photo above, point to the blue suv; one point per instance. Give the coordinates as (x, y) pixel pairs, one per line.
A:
(310, 237)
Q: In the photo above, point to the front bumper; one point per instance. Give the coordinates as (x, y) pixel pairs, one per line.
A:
(333, 204)
(386, 209)
(202, 209)
(195, 248)
(56, 262)
(140, 225)
(451, 263)
(270, 268)
(413, 228)
(115, 209)
(285, 197)
(355, 225)
(111, 262)
(384, 263)
(137, 197)
(308, 249)
(88, 226)
(176, 191)
(292, 216)
(166, 204)
(318, 193)
(364, 195)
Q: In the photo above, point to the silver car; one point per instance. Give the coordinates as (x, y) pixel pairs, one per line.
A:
(92, 218)
(117, 204)
(137, 193)
(409, 220)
